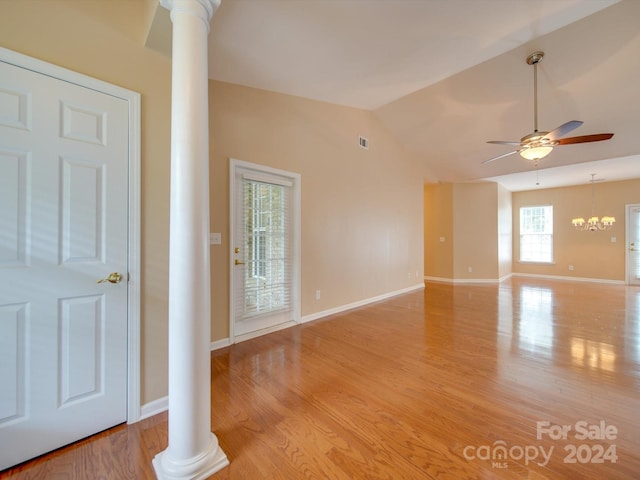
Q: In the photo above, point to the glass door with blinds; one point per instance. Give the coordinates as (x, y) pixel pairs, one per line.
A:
(265, 246)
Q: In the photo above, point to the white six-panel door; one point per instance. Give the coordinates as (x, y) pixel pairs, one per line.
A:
(63, 227)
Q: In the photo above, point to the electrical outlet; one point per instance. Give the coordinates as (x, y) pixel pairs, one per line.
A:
(571, 268)
(215, 238)
(469, 269)
(317, 294)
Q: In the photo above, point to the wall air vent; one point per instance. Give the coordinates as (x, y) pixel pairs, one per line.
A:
(364, 143)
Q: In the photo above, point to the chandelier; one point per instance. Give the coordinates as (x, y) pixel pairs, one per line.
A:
(593, 223)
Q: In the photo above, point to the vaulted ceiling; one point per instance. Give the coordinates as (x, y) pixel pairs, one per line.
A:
(447, 76)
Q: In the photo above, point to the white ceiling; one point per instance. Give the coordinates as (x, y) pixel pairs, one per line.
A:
(446, 76)
(367, 53)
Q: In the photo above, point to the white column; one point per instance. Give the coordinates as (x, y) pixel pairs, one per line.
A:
(193, 451)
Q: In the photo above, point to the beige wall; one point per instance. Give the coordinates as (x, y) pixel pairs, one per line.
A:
(475, 226)
(362, 216)
(438, 230)
(592, 254)
(474, 219)
(505, 232)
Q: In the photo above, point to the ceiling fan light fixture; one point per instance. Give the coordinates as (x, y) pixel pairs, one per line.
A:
(535, 153)
(539, 144)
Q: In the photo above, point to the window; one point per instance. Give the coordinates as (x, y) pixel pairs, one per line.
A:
(266, 241)
(536, 234)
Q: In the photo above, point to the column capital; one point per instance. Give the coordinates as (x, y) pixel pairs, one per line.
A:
(204, 9)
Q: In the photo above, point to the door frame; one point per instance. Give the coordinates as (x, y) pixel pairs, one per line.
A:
(295, 178)
(133, 253)
(627, 242)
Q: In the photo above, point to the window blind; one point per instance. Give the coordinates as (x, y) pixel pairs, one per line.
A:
(266, 239)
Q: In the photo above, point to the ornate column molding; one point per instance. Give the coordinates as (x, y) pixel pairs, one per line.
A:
(203, 9)
(193, 451)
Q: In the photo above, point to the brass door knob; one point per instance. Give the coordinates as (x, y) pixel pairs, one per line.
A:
(238, 262)
(113, 277)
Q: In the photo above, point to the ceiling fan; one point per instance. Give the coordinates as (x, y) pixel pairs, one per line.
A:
(538, 144)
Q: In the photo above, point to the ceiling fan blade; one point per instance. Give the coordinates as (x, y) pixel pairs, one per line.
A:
(515, 144)
(500, 156)
(563, 129)
(584, 139)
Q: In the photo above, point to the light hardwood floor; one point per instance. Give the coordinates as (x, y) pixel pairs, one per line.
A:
(424, 385)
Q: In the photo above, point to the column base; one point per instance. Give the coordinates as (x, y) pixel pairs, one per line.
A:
(197, 468)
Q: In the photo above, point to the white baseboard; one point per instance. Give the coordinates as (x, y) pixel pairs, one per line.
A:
(154, 407)
(572, 279)
(264, 331)
(438, 279)
(465, 280)
(361, 303)
(505, 277)
(462, 281)
(218, 344)
(459, 281)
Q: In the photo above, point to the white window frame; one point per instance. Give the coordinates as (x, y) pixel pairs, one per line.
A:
(526, 255)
